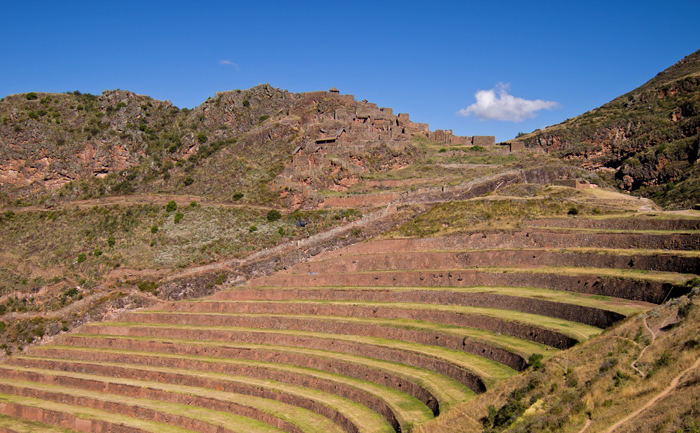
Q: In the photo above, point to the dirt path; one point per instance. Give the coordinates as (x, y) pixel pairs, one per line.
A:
(674, 383)
(653, 338)
(585, 426)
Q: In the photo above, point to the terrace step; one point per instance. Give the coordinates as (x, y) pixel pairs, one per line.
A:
(425, 385)
(10, 424)
(528, 239)
(81, 418)
(465, 368)
(624, 223)
(395, 406)
(587, 281)
(431, 260)
(544, 302)
(453, 316)
(500, 349)
(200, 408)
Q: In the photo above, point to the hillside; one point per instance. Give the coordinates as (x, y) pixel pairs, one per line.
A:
(279, 262)
(645, 141)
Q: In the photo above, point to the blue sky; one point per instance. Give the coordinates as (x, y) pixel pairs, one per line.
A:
(428, 59)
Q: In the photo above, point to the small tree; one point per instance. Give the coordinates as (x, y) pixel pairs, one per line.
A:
(188, 181)
(171, 206)
(31, 95)
(237, 196)
(202, 138)
(178, 217)
(273, 215)
(111, 241)
(81, 257)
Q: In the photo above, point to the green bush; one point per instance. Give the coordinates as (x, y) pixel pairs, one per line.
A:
(147, 286)
(97, 252)
(178, 217)
(237, 196)
(154, 229)
(252, 229)
(572, 211)
(273, 215)
(246, 103)
(81, 257)
(111, 241)
(2, 324)
(188, 181)
(202, 137)
(31, 95)
(263, 118)
(535, 361)
(171, 206)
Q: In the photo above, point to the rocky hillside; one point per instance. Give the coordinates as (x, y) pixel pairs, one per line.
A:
(272, 146)
(645, 141)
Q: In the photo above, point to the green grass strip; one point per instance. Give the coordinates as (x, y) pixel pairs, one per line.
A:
(405, 407)
(588, 230)
(618, 305)
(512, 344)
(448, 391)
(94, 414)
(488, 370)
(306, 420)
(21, 425)
(575, 330)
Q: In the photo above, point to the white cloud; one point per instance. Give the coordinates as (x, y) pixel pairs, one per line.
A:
(497, 104)
(229, 63)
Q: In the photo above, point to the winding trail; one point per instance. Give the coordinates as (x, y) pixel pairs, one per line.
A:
(659, 396)
(585, 426)
(653, 338)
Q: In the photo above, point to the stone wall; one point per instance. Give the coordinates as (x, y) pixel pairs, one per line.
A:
(269, 337)
(636, 290)
(575, 313)
(336, 326)
(496, 325)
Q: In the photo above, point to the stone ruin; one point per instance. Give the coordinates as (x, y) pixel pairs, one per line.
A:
(336, 130)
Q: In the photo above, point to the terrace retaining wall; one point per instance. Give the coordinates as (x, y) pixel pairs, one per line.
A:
(575, 313)
(262, 355)
(65, 420)
(335, 388)
(664, 262)
(331, 326)
(446, 368)
(526, 332)
(636, 290)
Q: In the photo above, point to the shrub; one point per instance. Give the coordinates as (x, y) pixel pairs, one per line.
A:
(356, 231)
(147, 286)
(281, 231)
(178, 217)
(31, 95)
(246, 103)
(572, 211)
(188, 181)
(263, 118)
(202, 138)
(111, 241)
(9, 215)
(252, 229)
(535, 361)
(171, 206)
(273, 215)
(81, 257)
(2, 324)
(154, 229)
(237, 196)
(97, 252)
(193, 204)
(442, 150)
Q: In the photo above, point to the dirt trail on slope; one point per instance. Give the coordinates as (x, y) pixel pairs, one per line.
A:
(674, 383)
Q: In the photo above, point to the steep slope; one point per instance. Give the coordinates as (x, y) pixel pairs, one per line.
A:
(645, 141)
